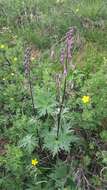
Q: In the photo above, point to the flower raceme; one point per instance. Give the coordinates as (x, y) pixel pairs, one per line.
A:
(69, 42)
(66, 53)
(35, 162)
(62, 57)
(27, 59)
(86, 99)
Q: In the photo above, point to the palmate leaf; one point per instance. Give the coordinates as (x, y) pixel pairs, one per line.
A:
(103, 135)
(44, 101)
(28, 143)
(60, 171)
(66, 137)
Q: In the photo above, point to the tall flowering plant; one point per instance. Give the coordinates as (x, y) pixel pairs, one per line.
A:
(66, 59)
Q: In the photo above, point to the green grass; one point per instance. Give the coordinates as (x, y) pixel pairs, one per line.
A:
(50, 19)
(28, 133)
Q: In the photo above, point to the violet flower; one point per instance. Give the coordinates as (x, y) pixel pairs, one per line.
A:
(67, 53)
(27, 57)
(69, 44)
(62, 57)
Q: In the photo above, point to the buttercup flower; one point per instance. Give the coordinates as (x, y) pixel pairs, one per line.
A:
(11, 99)
(32, 58)
(15, 59)
(12, 74)
(35, 162)
(2, 46)
(77, 10)
(59, 1)
(86, 99)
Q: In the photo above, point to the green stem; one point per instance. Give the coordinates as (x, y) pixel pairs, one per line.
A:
(61, 106)
(63, 97)
(31, 93)
(33, 107)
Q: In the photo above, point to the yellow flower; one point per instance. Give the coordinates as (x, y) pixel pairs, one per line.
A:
(12, 74)
(11, 99)
(32, 58)
(59, 1)
(2, 46)
(4, 79)
(15, 59)
(105, 60)
(35, 162)
(77, 10)
(86, 99)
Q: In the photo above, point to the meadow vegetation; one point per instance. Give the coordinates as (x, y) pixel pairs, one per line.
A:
(53, 95)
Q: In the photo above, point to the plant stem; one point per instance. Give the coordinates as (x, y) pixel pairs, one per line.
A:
(63, 96)
(33, 106)
(8, 61)
(31, 93)
(61, 106)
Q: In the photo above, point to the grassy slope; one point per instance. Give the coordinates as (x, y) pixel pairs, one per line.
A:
(46, 23)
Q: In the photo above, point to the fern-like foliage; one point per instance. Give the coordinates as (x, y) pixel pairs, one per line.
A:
(63, 142)
(44, 101)
(28, 143)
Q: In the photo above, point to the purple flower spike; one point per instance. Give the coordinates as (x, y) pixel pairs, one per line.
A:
(69, 42)
(27, 59)
(65, 71)
(62, 57)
